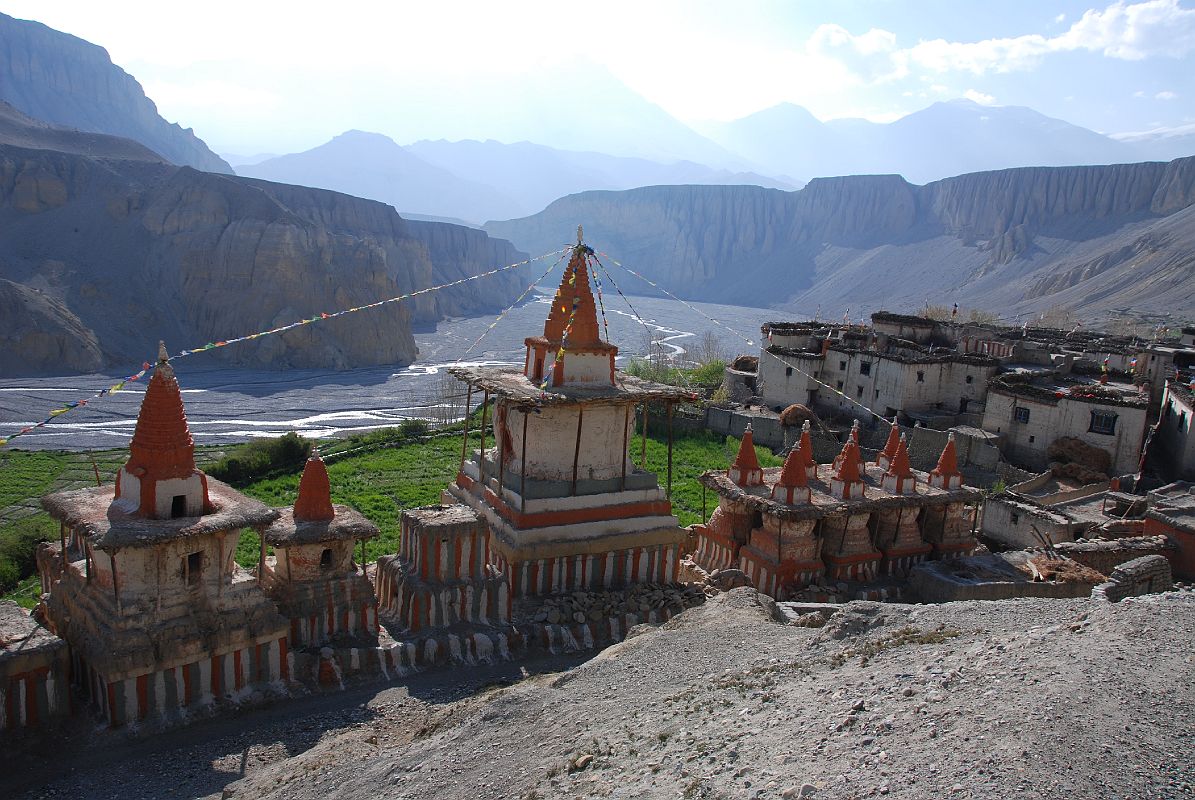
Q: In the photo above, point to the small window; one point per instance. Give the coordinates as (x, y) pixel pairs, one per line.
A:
(1032, 439)
(840, 384)
(877, 393)
(325, 559)
(1016, 518)
(859, 392)
(842, 365)
(178, 506)
(864, 367)
(788, 372)
(1103, 422)
(1020, 414)
(816, 373)
(920, 376)
(193, 568)
(970, 379)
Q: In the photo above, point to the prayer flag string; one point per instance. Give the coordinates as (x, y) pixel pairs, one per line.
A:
(146, 367)
(518, 300)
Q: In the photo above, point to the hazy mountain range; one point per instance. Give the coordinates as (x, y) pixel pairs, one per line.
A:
(475, 181)
(490, 180)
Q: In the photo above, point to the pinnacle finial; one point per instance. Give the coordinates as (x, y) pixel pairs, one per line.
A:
(314, 451)
(580, 234)
(163, 356)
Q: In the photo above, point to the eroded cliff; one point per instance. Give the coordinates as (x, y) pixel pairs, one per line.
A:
(62, 79)
(132, 252)
(1096, 238)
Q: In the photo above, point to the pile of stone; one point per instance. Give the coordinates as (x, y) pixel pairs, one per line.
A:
(582, 607)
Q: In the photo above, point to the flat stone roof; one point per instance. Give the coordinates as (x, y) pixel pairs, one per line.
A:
(345, 524)
(513, 385)
(90, 512)
(21, 634)
(825, 504)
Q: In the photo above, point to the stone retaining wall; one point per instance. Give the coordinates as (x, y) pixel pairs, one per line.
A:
(1144, 575)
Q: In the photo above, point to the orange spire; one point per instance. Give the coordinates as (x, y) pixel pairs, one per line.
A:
(899, 465)
(574, 300)
(894, 440)
(806, 444)
(948, 461)
(794, 473)
(847, 466)
(315, 492)
(162, 446)
(745, 471)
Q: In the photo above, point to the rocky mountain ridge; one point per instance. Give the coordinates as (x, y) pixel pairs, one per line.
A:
(997, 239)
(100, 258)
(64, 80)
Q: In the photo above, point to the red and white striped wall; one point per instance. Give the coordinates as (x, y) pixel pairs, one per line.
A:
(655, 564)
(359, 619)
(714, 551)
(862, 567)
(34, 698)
(223, 678)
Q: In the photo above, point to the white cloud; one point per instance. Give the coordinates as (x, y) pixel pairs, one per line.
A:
(1060, 18)
(1128, 32)
(1139, 93)
(979, 97)
(1165, 95)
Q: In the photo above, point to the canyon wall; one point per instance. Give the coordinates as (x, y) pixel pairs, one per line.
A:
(115, 254)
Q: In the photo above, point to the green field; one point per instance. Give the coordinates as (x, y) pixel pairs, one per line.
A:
(378, 474)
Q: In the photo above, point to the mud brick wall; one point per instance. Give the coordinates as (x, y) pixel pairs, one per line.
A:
(1144, 575)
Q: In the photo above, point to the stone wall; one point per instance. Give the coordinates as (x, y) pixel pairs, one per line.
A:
(1144, 575)
(1104, 555)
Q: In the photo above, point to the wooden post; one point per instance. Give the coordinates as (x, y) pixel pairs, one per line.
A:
(220, 563)
(643, 455)
(577, 447)
(485, 404)
(500, 447)
(261, 555)
(523, 467)
(465, 441)
(87, 560)
(626, 425)
(287, 565)
(115, 582)
(62, 543)
(704, 518)
(362, 556)
(668, 493)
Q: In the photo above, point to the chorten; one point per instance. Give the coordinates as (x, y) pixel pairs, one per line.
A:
(946, 474)
(312, 575)
(160, 481)
(793, 484)
(886, 455)
(898, 478)
(143, 584)
(564, 504)
(745, 471)
(846, 478)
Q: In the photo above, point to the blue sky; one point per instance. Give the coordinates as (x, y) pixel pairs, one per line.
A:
(276, 77)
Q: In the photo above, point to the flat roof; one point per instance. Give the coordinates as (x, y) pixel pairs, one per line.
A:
(512, 384)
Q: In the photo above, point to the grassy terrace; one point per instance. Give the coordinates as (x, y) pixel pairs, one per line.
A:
(379, 474)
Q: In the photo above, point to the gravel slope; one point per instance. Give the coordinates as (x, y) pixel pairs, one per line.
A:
(1027, 699)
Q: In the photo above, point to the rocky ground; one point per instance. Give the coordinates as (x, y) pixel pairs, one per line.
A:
(1030, 699)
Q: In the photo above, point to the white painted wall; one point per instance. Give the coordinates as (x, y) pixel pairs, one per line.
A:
(1026, 442)
(552, 438)
(1175, 434)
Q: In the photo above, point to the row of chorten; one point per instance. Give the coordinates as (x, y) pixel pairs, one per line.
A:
(847, 469)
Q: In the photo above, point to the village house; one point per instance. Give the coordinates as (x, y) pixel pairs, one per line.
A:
(1032, 413)
(1175, 438)
(836, 371)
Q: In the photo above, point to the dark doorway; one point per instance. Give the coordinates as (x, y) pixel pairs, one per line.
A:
(325, 559)
(178, 506)
(962, 405)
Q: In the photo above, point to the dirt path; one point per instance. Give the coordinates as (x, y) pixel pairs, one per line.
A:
(200, 760)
